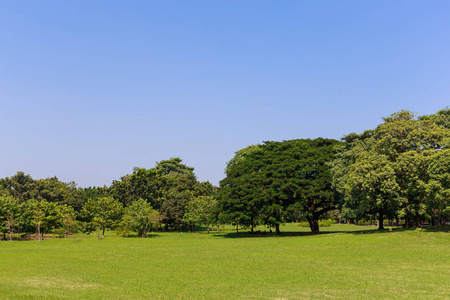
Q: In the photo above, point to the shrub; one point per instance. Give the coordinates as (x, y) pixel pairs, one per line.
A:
(322, 223)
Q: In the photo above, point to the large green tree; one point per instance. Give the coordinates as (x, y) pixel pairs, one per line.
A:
(402, 144)
(372, 187)
(278, 175)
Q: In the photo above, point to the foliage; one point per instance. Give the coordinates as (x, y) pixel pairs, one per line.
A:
(200, 210)
(10, 214)
(322, 223)
(144, 184)
(102, 213)
(276, 176)
(141, 217)
(385, 171)
(24, 188)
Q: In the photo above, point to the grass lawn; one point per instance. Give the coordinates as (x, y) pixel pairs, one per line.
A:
(346, 261)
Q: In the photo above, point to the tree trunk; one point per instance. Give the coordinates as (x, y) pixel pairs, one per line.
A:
(4, 236)
(237, 228)
(380, 220)
(408, 217)
(38, 232)
(192, 227)
(103, 234)
(277, 228)
(313, 225)
(417, 221)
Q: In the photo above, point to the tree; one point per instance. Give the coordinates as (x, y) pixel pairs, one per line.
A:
(346, 155)
(102, 213)
(54, 190)
(143, 218)
(269, 180)
(181, 186)
(19, 186)
(145, 184)
(239, 197)
(200, 211)
(372, 186)
(441, 118)
(240, 155)
(402, 144)
(438, 187)
(174, 206)
(10, 211)
(242, 195)
(406, 142)
(68, 222)
(174, 167)
(43, 216)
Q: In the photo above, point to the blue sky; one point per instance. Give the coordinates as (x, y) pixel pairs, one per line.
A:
(90, 89)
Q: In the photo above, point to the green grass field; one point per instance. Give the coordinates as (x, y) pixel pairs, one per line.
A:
(346, 261)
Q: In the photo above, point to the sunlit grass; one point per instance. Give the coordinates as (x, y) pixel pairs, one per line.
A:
(346, 261)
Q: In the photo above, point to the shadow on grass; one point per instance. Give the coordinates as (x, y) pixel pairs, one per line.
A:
(445, 228)
(325, 232)
(233, 235)
(137, 236)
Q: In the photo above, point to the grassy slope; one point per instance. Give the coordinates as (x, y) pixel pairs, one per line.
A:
(398, 264)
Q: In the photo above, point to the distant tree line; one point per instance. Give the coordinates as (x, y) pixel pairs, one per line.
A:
(166, 197)
(398, 171)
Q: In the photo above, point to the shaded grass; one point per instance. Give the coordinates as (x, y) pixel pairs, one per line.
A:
(341, 263)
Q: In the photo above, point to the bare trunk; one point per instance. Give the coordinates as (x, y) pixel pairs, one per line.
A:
(277, 228)
(417, 220)
(408, 217)
(313, 225)
(38, 235)
(380, 220)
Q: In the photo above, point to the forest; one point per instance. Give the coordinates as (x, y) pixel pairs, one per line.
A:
(397, 173)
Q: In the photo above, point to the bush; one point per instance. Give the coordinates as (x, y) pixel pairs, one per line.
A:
(326, 223)
(322, 223)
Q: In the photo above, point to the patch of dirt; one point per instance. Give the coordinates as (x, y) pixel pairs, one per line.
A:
(53, 282)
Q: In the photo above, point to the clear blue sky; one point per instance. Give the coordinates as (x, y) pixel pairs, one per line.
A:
(90, 89)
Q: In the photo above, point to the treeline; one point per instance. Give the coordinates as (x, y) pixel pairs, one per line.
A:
(398, 171)
(166, 197)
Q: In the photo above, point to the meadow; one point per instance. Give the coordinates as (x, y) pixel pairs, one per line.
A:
(345, 261)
